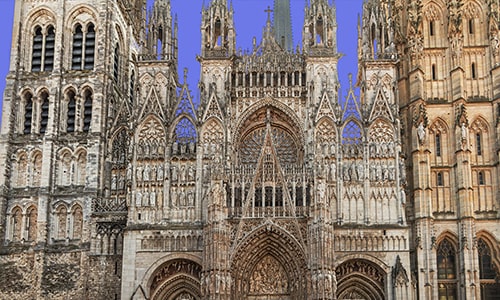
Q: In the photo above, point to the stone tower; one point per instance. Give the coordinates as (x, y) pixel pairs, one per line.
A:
(119, 184)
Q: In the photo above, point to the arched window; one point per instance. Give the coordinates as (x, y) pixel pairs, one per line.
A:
(80, 170)
(473, 71)
(76, 62)
(431, 28)
(48, 61)
(89, 47)
(433, 72)
(116, 62)
(83, 48)
(65, 169)
(488, 275)
(439, 179)
(471, 26)
(16, 224)
(479, 146)
(21, 169)
(87, 110)
(61, 217)
(36, 164)
(37, 52)
(44, 112)
(438, 144)
(447, 271)
(480, 178)
(71, 112)
(31, 223)
(77, 217)
(28, 113)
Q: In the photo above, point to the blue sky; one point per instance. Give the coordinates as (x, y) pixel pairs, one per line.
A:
(250, 18)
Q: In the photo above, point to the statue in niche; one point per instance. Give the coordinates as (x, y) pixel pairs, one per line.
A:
(190, 173)
(182, 198)
(183, 148)
(160, 196)
(403, 196)
(190, 199)
(153, 173)
(152, 198)
(160, 174)
(175, 148)
(129, 172)
(138, 198)
(138, 173)
(145, 198)
(463, 130)
(360, 170)
(175, 200)
(421, 133)
(121, 182)
(174, 174)
(333, 170)
(183, 174)
(191, 147)
(147, 173)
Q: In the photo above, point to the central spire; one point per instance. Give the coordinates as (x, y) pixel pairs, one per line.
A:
(283, 24)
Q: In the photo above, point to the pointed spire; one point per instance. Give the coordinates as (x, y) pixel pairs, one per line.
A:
(283, 24)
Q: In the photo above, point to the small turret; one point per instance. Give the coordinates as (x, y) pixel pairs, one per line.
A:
(217, 30)
(161, 39)
(320, 28)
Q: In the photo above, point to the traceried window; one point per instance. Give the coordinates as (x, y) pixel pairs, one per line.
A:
(71, 112)
(351, 133)
(28, 113)
(488, 275)
(447, 271)
(83, 48)
(479, 146)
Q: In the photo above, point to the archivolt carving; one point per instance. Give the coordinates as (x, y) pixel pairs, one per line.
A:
(438, 126)
(472, 10)
(381, 132)
(360, 278)
(176, 279)
(268, 278)
(432, 12)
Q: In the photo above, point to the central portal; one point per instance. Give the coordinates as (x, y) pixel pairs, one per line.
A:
(269, 281)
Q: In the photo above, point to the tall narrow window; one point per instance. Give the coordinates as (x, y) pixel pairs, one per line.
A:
(473, 71)
(438, 144)
(431, 28)
(36, 56)
(44, 112)
(28, 113)
(490, 287)
(61, 217)
(16, 224)
(480, 178)
(87, 111)
(31, 223)
(447, 274)
(89, 47)
(132, 88)
(116, 63)
(76, 63)
(433, 71)
(471, 26)
(48, 61)
(479, 146)
(70, 121)
(439, 179)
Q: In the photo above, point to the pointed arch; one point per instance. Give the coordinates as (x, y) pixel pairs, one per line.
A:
(118, 145)
(433, 29)
(212, 136)
(16, 223)
(479, 131)
(151, 138)
(77, 221)
(447, 268)
(36, 168)
(352, 133)
(439, 140)
(65, 167)
(20, 169)
(326, 137)
(60, 218)
(31, 222)
(360, 278)
(27, 117)
(80, 167)
(184, 135)
(269, 240)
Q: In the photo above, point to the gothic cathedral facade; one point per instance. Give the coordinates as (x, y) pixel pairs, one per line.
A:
(116, 183)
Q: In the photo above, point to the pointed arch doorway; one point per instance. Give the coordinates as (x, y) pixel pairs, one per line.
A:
(269, 264)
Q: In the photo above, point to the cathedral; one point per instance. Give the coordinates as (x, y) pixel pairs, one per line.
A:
(118, 182)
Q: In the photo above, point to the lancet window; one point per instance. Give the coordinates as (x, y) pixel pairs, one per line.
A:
(447, 271)
(488, 273)
(43, 49)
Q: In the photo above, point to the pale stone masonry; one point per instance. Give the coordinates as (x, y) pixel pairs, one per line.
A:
(118, 184)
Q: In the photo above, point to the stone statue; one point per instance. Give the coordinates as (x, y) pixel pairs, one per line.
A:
(421, 133)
